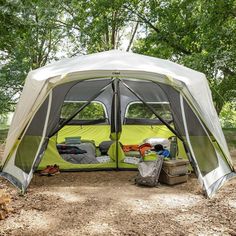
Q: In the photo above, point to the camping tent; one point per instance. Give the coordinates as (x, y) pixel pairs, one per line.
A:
(53, 96)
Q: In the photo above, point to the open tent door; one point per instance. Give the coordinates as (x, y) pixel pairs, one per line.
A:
(41, 132)
(86, 116)
(145, 113)
(213, 169)
(207, 159)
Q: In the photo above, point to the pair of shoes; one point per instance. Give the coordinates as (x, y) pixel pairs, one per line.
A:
(54, 170)
(45, 171)
(50, 170)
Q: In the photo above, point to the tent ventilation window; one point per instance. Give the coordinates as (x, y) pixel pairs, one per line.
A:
(138, 113)
(93, 113)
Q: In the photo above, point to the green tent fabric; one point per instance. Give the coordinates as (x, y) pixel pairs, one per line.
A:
(114, 150)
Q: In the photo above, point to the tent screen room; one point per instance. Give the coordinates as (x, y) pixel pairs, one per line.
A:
(92, 112)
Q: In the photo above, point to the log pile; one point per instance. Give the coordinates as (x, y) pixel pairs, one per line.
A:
(4, 202)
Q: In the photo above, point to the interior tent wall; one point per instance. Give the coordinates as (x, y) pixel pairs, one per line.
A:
(80, 92)
(141, 129)
(130, 135)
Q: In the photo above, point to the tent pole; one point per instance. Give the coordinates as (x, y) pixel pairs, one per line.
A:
(115, 117)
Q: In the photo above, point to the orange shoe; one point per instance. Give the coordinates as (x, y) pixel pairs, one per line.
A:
(54, 170)
(46, 170)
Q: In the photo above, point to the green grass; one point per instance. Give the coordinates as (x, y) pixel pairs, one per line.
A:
(3, 135)
(230, 135)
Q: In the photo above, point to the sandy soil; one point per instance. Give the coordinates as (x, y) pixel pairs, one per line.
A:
(108, 203)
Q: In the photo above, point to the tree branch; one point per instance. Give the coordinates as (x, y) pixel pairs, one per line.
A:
(171, 42)
(132, 36)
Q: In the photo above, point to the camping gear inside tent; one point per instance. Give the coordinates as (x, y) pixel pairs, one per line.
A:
(70, 107)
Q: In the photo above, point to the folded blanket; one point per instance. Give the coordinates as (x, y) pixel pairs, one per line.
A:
(80, 158)
(69, 149)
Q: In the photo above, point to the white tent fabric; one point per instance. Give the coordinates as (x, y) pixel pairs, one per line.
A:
(39, 82)
(193, 86)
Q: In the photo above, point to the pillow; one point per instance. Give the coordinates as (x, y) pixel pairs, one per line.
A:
(104, 147)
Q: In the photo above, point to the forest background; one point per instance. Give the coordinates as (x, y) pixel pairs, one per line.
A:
(199, 34)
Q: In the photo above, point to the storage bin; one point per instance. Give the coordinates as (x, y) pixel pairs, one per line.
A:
(174, 172)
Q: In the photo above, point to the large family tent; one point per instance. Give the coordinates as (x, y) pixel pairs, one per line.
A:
(118, 96)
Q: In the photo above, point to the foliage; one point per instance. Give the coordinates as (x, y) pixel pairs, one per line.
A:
(93, 111)
(199, 34)
(33, 33)
(228, 115)
(98, 25)
(230, 135)
(28, 39)
(3, 135)
(141, 111)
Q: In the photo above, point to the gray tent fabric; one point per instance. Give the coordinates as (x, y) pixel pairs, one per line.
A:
(34, 132)
(154, 80)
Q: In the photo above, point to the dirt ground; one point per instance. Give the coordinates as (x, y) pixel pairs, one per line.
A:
(108, 203)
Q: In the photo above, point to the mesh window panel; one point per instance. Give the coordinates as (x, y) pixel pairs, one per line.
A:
(29, 144)
(83, 91)
(203, 148)
(74, 92)
(135, 112)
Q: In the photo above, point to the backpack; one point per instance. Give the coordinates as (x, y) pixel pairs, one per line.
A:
(149, 172)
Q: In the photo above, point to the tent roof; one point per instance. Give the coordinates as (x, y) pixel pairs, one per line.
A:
(116, 60)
